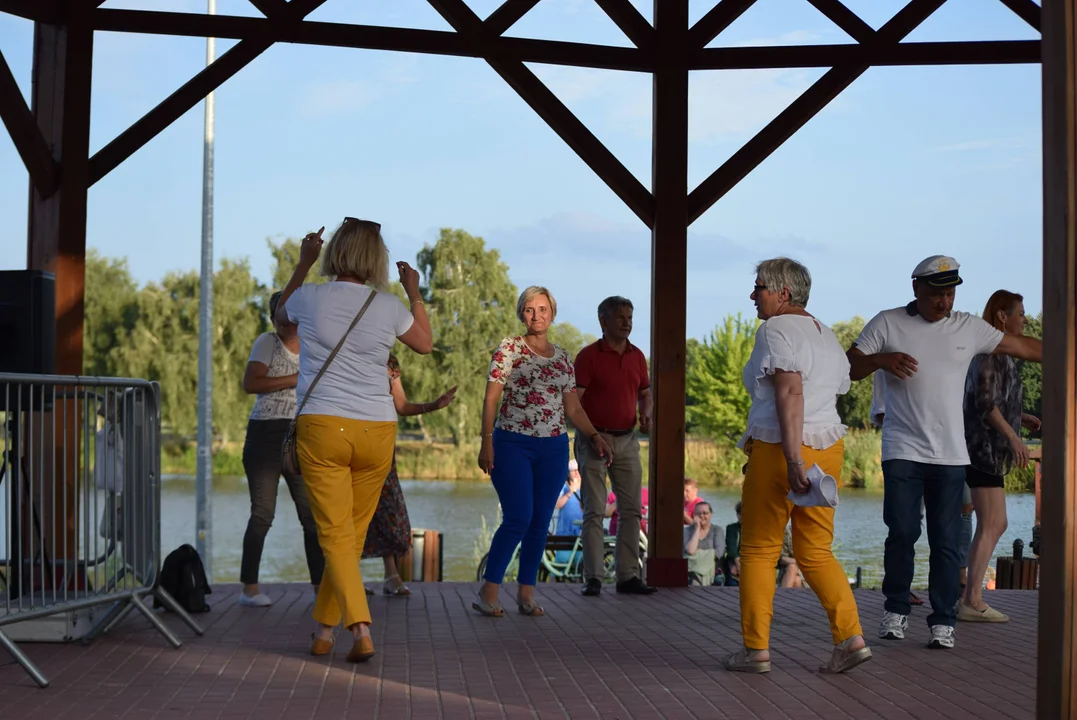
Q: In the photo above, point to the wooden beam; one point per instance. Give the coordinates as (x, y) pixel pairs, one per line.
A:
(373, 37)
(1057, 647)
(589, 148)
(56, 242)
(991, 52)
(666, 565)
(25, 134)
(803, 109)
(629, 20)
(845, 19)
(1027, 10)
(193, 92)
(42, 11)
(716, 20)
(507, 15)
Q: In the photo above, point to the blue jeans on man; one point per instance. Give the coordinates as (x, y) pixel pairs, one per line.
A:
(939, 488)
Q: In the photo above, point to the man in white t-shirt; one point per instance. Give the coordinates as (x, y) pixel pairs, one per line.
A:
(926, 348)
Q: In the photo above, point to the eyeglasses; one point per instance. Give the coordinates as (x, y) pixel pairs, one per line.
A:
(348, 219)
(760, 288)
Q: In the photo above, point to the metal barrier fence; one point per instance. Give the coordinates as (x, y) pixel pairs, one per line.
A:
(80, 507)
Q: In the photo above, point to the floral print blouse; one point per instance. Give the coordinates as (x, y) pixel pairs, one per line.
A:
(531, 403)
(992, 381)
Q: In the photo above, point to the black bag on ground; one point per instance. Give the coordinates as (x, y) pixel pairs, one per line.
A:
(184, 578)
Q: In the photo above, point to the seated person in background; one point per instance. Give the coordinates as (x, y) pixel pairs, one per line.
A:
(691, 499)
(788, 573)
(703, 545)
(611, 511)
(731, 558)
(569, 510)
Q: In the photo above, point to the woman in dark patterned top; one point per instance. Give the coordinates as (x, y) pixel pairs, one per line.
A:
(993, 421)
(389, 534)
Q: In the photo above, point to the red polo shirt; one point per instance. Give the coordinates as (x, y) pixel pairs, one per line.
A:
(612, 382)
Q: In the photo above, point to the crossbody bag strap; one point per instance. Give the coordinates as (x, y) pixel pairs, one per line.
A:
(333, 354)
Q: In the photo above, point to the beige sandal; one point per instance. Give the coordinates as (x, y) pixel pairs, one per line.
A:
(843, 658)
(391, 588)
(742, 662)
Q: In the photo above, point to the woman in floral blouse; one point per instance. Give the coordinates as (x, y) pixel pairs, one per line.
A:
(993, 421)
(389, 534)
(530, 390)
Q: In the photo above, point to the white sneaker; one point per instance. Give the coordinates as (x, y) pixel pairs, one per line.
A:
(893, 626)
(259, 600)
(942, 636)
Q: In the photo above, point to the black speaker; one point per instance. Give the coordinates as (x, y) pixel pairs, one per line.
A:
(27, 322)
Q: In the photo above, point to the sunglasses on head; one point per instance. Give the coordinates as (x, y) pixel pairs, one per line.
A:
(348, 219)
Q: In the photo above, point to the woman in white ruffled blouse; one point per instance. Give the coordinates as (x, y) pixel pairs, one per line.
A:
(795, 374)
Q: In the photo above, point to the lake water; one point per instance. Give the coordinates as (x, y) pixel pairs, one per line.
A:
(457, 509)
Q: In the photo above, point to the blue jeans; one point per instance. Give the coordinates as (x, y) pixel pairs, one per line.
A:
(528, 475)
(907, 484)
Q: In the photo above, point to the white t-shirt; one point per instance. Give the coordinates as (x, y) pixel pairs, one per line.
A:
(271, 352)
(924, 421)
(355, 385)
(796, 343)
(878, 397)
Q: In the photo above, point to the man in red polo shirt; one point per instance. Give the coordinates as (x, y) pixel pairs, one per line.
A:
(612, 382)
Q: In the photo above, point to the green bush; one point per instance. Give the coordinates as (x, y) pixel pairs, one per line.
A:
(863, 460)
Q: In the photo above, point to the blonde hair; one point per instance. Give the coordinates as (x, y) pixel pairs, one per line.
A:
(530, 294)
(1001, 301)
(357, 249)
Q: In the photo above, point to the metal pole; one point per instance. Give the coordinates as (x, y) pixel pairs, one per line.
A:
(204, 482)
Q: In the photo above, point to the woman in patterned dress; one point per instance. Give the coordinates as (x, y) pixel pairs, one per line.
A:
(993, 422)
(389, 535)
(530, 390)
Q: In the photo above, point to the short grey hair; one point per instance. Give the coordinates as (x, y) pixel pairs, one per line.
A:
(612, 304)
(779, 273)
(530, 294)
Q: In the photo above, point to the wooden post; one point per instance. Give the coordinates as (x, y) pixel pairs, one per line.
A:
(666, 565)
(56, 240)
(1057, 659)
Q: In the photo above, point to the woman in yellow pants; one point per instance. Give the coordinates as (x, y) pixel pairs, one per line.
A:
(796, 372)
(346, 428)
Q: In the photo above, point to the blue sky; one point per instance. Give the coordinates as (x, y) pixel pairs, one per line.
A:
(908, 162)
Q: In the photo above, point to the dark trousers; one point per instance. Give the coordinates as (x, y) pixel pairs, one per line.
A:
(939, 487)
(261, 462)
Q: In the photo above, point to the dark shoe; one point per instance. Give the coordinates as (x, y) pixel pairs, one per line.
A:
(635, 586)
(592, 588)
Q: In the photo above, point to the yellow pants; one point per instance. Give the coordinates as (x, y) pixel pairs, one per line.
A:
(765, 512)
(344, 464)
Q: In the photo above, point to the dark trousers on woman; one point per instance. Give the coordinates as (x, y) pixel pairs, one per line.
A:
(528, 475)
(261, 462)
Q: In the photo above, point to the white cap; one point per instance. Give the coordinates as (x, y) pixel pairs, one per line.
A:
(938, 271)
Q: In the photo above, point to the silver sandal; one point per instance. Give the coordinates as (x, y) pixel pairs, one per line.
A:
(487, 609)
(843, 659)
(742, 662)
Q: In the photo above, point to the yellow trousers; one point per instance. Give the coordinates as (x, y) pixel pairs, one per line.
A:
(764, 514)
(344, 464)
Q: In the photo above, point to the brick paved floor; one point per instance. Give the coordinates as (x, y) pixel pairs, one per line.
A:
(615, 657)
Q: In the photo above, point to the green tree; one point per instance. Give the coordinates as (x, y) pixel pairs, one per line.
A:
(854, 407)
(720, 404)
(111, 312)
(285, 258)
(1032, 373)
(471, 303)
(692, 350)
(570, 337)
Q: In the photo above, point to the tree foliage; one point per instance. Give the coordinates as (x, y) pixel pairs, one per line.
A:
(854, 407)
(1032, 373)
(719, 403)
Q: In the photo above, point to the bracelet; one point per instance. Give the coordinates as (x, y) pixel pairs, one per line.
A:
(417, 302)
(794, 462)
(488, 434)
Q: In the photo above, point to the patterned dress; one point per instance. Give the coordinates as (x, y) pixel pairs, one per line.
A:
(992, 381)
(390, 529)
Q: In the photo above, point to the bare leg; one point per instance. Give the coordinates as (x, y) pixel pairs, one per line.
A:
(250, 590)
(488, 592)
(990, 506)
(390, 566)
